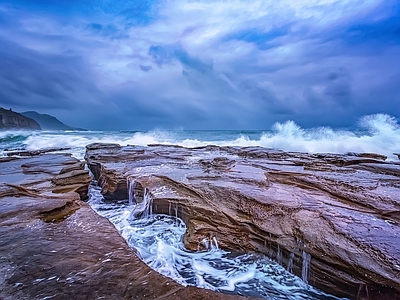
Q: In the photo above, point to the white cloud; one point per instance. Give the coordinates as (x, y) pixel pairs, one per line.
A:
(236, 59)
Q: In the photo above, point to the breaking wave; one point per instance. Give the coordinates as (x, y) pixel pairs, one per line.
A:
(379, 133)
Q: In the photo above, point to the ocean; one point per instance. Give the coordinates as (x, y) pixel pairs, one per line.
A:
(378, 133)
(158, 238)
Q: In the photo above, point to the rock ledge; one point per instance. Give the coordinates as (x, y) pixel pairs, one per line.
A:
(340, 212)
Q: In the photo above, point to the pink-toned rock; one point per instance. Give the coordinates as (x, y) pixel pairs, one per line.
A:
(340, 212)
(54, 246)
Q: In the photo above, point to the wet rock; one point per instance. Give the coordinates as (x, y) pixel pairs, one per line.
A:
(35, 152)
(80, 165)
(54, 246)
(370, 155)
(103, 146)
(73, 180)
(331, 219)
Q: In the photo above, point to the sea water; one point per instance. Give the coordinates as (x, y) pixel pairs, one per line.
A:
(158, 241)
(378, 133)
(158, 238)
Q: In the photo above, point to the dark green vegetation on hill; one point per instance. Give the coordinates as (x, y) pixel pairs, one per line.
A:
(13, 120)
(31, 120)
(48, 122)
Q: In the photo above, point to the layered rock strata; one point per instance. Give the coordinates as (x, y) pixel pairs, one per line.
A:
(331, 219)
(54, 246)
(13, 120)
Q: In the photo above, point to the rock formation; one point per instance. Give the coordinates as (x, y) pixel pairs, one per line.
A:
(13, 120)
(54, 246)
(338, 213)
(48, 122)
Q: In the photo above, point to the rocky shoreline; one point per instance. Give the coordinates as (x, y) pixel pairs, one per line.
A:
(339, 213)
(10, 119)
(54, 246)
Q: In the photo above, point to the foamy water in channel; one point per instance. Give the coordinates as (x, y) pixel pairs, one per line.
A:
(158, 240)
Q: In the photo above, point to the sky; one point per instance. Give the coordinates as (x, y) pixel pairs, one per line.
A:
(201, 64)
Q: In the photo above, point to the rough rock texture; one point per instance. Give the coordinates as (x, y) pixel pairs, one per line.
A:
(13, 120)
(34, 152)
(339, 212)
(54, 246)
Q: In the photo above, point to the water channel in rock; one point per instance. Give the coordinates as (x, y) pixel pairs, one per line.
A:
(158, 241)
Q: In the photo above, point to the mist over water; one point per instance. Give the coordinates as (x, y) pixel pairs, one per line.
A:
(378, 133)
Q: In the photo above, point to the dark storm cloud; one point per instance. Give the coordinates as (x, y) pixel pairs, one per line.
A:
(264, 40)
(142, 107)
(379, 28)
(53, 81)
(196, 64)
(344, 67)
(339, 87)
(107, 30)
(166, 54)
(33, 77)
(161, 55)
(265, 99)
(145, 68)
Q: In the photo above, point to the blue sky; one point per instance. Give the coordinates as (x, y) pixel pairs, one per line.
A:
(198, 64)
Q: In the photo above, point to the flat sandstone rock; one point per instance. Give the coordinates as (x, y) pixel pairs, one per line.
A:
(340, 212)
(54, 246)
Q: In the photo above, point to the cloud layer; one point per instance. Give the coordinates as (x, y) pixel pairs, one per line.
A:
(198, 64)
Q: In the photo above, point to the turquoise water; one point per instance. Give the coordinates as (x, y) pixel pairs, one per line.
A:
(377, 134)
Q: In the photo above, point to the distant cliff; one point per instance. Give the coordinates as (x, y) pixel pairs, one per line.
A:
(13, 120)
(48, 122)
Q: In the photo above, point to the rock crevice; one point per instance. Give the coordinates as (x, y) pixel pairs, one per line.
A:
(54, 246)
(336, 213)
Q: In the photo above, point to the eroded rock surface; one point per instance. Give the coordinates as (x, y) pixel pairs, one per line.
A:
(13, 120)
(54, 246)
(341, 213)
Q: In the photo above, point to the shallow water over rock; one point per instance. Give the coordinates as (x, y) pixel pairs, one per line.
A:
(158, 240)
(54, 246)
(331, 219)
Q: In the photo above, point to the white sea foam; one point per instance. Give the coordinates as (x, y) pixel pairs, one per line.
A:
(381, 135)
(378, 133)
(158, 240)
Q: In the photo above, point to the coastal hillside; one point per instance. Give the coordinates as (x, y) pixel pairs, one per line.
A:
(48, 122)
(12, 120)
